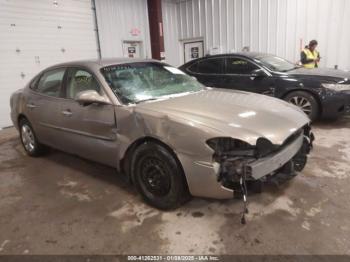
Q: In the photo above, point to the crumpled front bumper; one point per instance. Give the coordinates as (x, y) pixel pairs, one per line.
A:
(278, 166)
(273, 162)
(209, 179)
(204, 179)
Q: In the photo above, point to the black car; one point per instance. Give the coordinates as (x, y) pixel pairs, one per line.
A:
(318, 92)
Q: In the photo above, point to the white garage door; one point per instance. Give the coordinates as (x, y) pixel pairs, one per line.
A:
(36, 34)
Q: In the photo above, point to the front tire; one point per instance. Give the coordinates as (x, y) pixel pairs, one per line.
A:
(305, 102)
(158, 176)
(29, 140)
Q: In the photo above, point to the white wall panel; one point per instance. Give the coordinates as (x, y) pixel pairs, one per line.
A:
(116, 19)
(275, 26)
(171, 32)
(36, 34)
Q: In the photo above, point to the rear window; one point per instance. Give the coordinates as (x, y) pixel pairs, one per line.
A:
(239, 66)
(211, 66)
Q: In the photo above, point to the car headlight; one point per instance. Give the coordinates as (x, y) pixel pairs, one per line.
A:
(227, 146)
(337, 87)
(230, 156)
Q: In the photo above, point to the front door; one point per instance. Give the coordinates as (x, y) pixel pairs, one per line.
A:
(240, 74)
(90, 129)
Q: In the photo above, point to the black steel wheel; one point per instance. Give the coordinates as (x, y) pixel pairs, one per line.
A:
(305, 101)
(154, 176)
(158, 176)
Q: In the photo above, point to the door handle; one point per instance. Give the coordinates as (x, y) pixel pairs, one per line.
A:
(67, 112)
(31, 106)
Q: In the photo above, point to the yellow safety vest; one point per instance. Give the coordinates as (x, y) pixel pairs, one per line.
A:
(310, 55)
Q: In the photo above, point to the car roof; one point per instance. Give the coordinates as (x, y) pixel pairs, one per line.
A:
(102, 62)
(246, 54)
(251, 55)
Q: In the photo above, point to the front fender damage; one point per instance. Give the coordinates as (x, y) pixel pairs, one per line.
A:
(215, 167)
(243, 168)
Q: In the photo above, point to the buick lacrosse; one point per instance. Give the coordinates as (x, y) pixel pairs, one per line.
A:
(170, 135)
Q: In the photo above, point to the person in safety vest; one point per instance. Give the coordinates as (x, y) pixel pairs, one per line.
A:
(309, 56)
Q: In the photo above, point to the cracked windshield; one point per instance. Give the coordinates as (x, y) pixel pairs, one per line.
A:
(139, 82)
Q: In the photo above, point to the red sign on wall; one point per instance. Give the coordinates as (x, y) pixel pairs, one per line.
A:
(135, 31)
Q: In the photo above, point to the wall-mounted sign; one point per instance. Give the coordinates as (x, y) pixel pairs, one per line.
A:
(194, 52)
(161, 29)
(162, 55)
(132, 49)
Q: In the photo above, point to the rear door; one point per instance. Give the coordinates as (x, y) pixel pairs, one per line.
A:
(239, 74)
(88, 130)
(43, 105)
(209, 71)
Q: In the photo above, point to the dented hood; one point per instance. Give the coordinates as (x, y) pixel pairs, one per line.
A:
(237, 114)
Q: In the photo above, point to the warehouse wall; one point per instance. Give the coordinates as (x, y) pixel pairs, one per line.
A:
(171, 32)
(36, 34)
(273, 26)
(116, 21)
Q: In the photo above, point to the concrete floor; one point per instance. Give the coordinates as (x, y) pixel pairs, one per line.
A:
(60, 204)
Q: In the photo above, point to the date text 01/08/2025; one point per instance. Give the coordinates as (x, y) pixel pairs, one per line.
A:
(173, 258)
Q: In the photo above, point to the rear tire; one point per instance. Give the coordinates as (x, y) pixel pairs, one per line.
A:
(158, 176)
(306, 102)
(29, 140)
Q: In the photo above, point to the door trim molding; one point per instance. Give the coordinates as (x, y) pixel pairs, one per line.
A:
(106, 138)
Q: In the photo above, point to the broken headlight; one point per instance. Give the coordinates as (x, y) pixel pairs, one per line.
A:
(225, 147)
(230, 147)
(264, 147)
(230, 156)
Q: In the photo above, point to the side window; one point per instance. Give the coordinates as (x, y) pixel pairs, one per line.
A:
(80, 80)
(50, 82)
(33, 84)
(210, 66)
(193, 68)
(239, 66)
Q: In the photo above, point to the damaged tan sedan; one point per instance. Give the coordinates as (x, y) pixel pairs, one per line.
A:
(171, 136)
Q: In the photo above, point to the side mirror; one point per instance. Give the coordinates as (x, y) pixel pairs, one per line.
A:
(90, 97)
(257, 73)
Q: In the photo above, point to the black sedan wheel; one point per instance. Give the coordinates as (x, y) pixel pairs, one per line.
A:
(158, 176)
(305, 102)
(29, 140)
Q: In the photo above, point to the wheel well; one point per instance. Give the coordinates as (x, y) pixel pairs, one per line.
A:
(126, 160)
(306, 91)
(20, 117)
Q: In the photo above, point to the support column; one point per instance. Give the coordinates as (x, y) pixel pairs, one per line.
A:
(156, 28)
